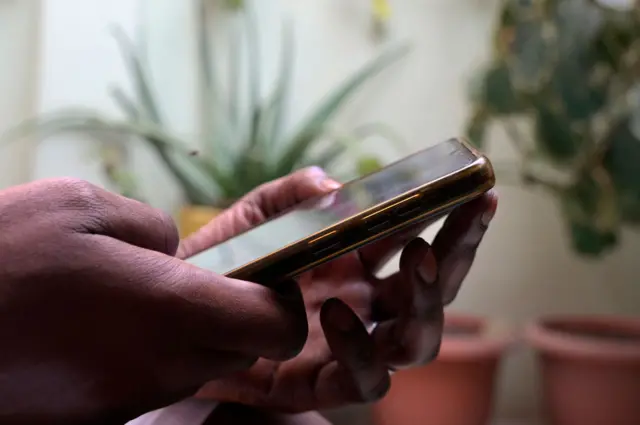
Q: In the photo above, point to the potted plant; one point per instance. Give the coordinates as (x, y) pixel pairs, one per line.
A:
(239, 148)
(113, 159)
(457, 388)
(570, 70)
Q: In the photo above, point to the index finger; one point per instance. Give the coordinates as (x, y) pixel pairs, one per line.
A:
(457, 241)
(257, 206)
(377, 254)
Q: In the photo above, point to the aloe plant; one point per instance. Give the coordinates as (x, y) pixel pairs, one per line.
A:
(240, 149)
(570, 69)
(115, 169)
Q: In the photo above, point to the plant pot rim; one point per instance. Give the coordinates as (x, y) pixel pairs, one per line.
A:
(487, 338)
(543, 335)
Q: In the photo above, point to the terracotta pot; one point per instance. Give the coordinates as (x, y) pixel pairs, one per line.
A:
(193, 217)
(455, 389)
(590, 369)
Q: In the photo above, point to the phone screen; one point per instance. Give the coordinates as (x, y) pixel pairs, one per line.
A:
(351, 199)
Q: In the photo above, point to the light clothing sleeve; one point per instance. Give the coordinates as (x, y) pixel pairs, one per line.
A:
(187, 412)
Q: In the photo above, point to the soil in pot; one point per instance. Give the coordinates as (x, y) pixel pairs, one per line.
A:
(455, 389)
(590, 369)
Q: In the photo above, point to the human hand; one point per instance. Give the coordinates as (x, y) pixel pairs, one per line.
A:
(99, 322)
(360, 327)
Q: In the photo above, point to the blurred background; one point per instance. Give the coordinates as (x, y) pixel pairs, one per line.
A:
(120, 93)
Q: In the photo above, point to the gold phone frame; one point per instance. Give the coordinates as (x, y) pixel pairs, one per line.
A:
(431, 201)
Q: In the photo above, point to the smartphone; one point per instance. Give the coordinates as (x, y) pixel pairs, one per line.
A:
(423, 186)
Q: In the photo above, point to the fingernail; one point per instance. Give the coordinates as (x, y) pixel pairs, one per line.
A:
(340, 317)
(321, 178)
(428, 268)
(435, 353)
(330, 184)
(488, 215)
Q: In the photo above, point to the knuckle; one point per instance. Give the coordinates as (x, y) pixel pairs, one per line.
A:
(251, 210)
(77, 194)
(170, 232)
(80, 204)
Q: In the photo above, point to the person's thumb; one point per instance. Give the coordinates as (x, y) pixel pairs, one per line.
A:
(212, 313)
(257, 206)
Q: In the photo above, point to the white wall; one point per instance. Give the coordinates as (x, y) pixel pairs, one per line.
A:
(18, 83)
(524, 268)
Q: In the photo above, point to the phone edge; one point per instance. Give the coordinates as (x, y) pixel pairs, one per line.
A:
(481, 167)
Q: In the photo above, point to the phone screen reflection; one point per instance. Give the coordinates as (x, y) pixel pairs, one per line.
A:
(351, 199)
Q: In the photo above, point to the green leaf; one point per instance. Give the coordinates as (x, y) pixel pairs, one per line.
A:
(227, 183)
(592, 201)
(90, 121)
(126, 184)
(204, 47)
(235, 4)
(384, 131)
(554, 134)
(140, 79)
(586, 206)
(218, 121)
(581, 95)
(128, 107)
(328, 157)
(255, 75)
(582, 200)
(314, 126)
(277, 108)
(498, 93)
(508, 16)
(250, 170)
(235, 71)
(477, 127)
(196, 190)
(368, 164)
(622, 160)
(197, 183)
(532, 54)
(613, 40)
(589, 241)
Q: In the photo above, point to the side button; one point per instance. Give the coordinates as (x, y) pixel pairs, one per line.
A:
(376, 219)
(408, 208)
(378, 227)
(327, 249)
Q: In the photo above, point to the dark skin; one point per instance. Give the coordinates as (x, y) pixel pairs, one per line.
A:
(101, 323)
(342, 363)
(106, 323)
